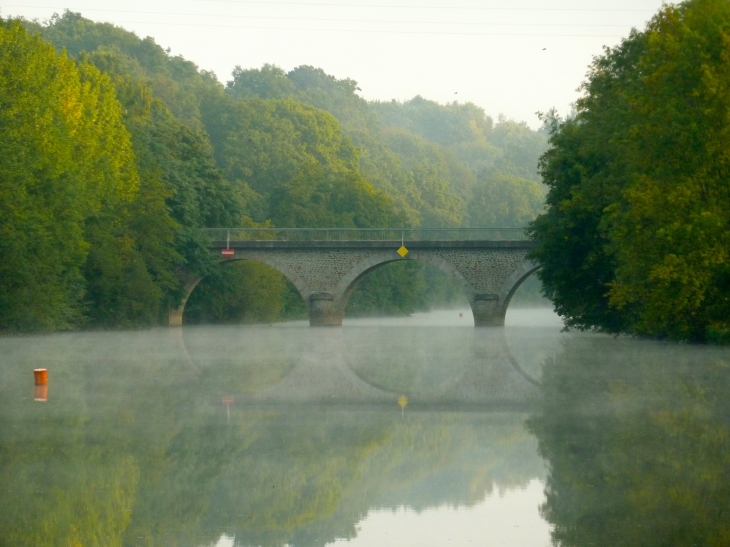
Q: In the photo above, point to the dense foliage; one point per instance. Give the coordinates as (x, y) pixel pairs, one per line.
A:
(115, 154)
(432, 159)
(73, 206)
(636, 237)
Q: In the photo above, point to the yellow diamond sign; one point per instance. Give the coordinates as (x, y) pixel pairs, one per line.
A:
(402, 251)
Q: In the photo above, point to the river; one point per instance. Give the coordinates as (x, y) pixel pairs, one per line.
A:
(411, 432)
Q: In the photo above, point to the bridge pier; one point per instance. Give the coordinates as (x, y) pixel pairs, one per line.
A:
(322, 311)
(175, 317)
(487, 310)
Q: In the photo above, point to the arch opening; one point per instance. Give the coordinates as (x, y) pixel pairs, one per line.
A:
(525, 302)
(528, 294)
(242, 291)
(517, 279)
(401, 287)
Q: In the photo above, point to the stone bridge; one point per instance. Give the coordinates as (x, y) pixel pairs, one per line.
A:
(325, 265)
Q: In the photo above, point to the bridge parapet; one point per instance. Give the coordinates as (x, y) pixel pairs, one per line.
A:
(366, 234)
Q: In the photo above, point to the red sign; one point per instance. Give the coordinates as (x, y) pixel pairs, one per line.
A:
(228, 400)
(227, 253)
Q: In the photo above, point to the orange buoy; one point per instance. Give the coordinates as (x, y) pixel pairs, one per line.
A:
(41, 393)
(228, 400)
(41, 384)
(41, 376)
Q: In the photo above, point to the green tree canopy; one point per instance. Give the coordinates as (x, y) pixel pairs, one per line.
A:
(67, 159)
(297, 163)
(636, 234)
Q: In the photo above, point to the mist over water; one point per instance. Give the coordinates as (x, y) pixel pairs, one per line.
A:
(387, 431)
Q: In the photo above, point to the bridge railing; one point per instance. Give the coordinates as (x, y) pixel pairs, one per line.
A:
(366, 234)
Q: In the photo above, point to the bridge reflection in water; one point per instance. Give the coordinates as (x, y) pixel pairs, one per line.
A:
(136, 446)
(431, 366)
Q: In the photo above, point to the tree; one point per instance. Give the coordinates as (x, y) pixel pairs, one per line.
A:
(636, 234)
(570, 245)
(268, 82)
(670, 233)
(302, 170)
(66, 157)
(181, 188)
(244, 292)
(271, 148)
(505, 201)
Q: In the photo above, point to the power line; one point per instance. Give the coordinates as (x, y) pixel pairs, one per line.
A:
(365, 31)
(480, 8)
(377, 21)
(385, 6)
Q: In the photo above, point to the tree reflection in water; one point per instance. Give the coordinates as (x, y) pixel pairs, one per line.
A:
(134, 446)
(636, 435)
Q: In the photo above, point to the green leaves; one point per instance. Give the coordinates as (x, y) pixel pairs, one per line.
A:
(676, 205)
(296, 158)
(243, 292)
(65, 157)
(571, 245)
(505, 201)
(642, 172)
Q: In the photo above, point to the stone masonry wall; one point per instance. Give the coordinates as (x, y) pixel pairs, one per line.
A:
(322, 270)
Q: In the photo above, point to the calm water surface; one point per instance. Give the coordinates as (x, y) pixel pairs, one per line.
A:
(410, 432)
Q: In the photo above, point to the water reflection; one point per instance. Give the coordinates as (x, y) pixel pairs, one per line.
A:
(439, 364)
(160, 439)
(428, 365)
(637, 438)
(283, 436)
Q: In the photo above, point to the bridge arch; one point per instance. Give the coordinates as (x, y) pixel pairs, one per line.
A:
(327, 308)
(513, 282)
(325, 265)
(189, 284)
(362, 269)
(281, 266)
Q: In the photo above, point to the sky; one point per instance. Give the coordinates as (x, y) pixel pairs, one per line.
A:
(511, 57)
(510, 519)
